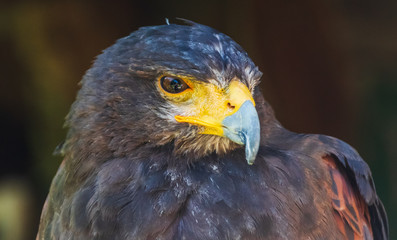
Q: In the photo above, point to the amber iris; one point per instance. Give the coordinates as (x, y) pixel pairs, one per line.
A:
(173, 85)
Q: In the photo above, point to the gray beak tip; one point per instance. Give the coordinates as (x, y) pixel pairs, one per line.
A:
(250, 162)
(243, 128)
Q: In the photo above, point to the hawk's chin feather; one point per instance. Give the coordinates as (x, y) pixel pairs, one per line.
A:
(197, 145)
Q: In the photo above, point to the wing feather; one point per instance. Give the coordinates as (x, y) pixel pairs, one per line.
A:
(353, 191)
(351, 211)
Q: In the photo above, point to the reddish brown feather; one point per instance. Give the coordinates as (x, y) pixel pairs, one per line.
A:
(351, 211)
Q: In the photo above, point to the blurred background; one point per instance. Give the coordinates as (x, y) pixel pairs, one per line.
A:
(329, 67)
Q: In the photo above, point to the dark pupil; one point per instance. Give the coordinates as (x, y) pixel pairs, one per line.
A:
(175, 85)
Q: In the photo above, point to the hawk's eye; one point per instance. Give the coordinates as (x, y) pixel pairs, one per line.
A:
(173, 85)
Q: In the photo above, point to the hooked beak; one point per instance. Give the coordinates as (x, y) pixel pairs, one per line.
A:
(243, 128)
(230, 114)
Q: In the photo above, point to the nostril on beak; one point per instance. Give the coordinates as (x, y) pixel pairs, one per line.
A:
(230, 105)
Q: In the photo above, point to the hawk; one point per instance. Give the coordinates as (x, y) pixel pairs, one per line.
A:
(170, 138)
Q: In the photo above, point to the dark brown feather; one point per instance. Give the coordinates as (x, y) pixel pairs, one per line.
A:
(351, 211)
(127, 172)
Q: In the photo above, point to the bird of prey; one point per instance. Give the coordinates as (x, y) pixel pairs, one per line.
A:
(170, 138)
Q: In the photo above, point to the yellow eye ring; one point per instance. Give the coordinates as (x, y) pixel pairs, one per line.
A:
(173, 85)
(175, 88)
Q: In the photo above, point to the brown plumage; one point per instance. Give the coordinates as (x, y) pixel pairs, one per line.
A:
(170, 138)
(351, 211)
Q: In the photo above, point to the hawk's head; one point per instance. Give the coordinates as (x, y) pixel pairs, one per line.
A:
(185, 86)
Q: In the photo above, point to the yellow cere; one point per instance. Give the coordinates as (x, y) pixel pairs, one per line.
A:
(209, 105)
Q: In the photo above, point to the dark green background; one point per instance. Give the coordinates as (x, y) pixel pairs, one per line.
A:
(329, 67)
